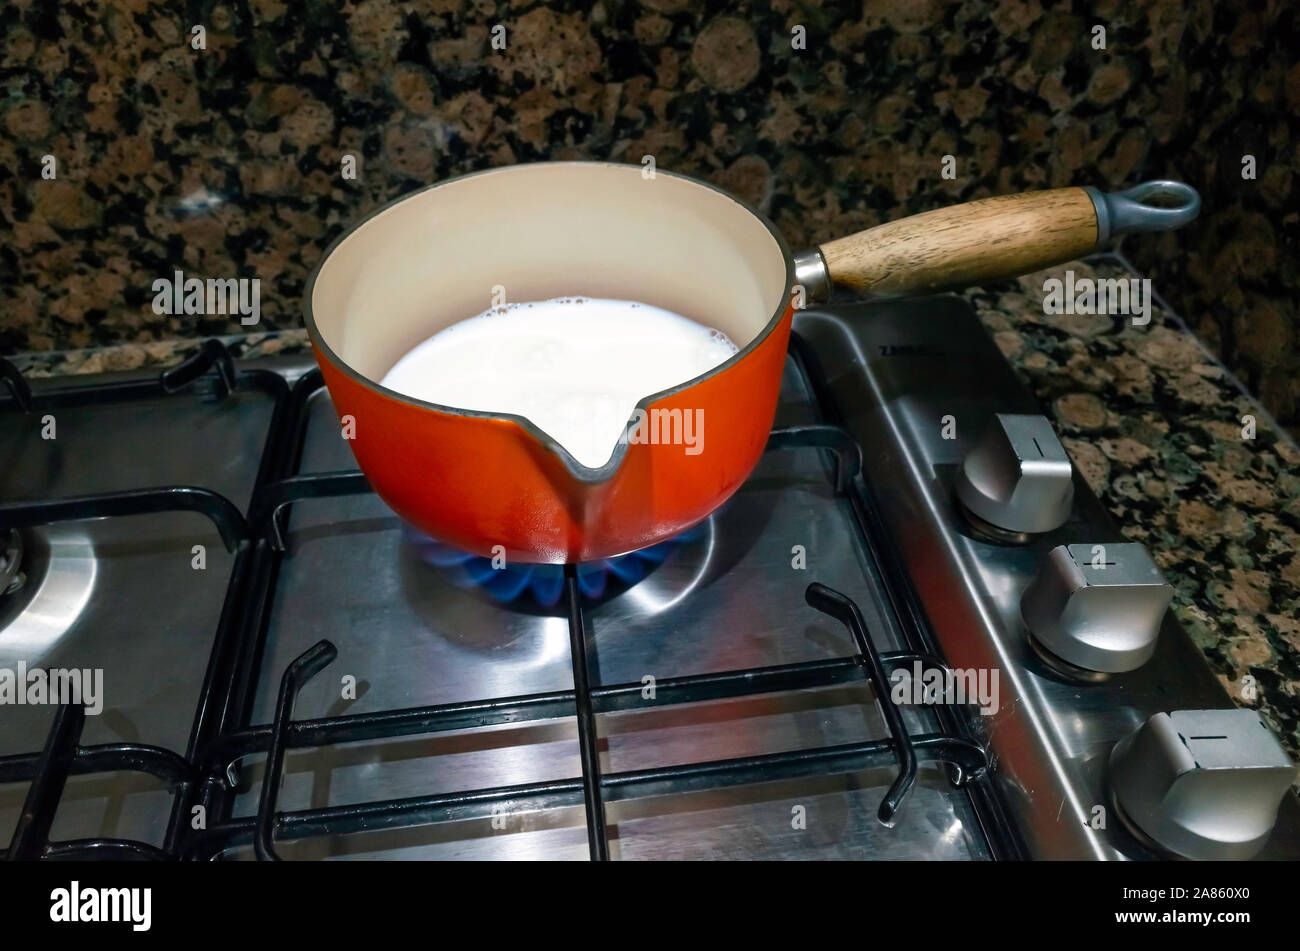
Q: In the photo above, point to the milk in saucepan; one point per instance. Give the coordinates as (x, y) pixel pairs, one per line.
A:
(575, 366)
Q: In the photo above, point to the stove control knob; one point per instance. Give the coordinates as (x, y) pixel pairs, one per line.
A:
(1202, 784)
(1017, 479)
(1097, 607)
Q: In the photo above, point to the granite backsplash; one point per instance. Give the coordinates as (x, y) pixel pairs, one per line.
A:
(226, 161)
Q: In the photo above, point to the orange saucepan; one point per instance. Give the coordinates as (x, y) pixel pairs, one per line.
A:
(489, 483)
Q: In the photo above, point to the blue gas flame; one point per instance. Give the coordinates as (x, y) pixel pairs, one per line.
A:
(543, 583)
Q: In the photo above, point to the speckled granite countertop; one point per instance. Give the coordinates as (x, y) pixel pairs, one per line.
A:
(1154, 424)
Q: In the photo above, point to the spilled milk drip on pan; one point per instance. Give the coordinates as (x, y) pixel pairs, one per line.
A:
(574, 366)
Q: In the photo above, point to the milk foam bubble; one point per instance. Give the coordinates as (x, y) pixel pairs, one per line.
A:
(574, 366)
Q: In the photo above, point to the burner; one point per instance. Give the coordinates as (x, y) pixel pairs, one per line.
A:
(11, 560)
(543, 584)
(46, 576)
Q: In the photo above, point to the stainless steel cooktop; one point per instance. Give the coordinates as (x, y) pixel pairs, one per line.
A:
(447, 722)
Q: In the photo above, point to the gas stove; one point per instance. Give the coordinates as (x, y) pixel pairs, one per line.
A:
(913, 633)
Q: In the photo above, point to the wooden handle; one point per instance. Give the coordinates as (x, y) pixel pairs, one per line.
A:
(985, 240)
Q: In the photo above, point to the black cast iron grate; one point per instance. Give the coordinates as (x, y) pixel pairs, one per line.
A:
(221, 735)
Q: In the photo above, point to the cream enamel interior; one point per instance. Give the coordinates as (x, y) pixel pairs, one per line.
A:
(544, 231)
